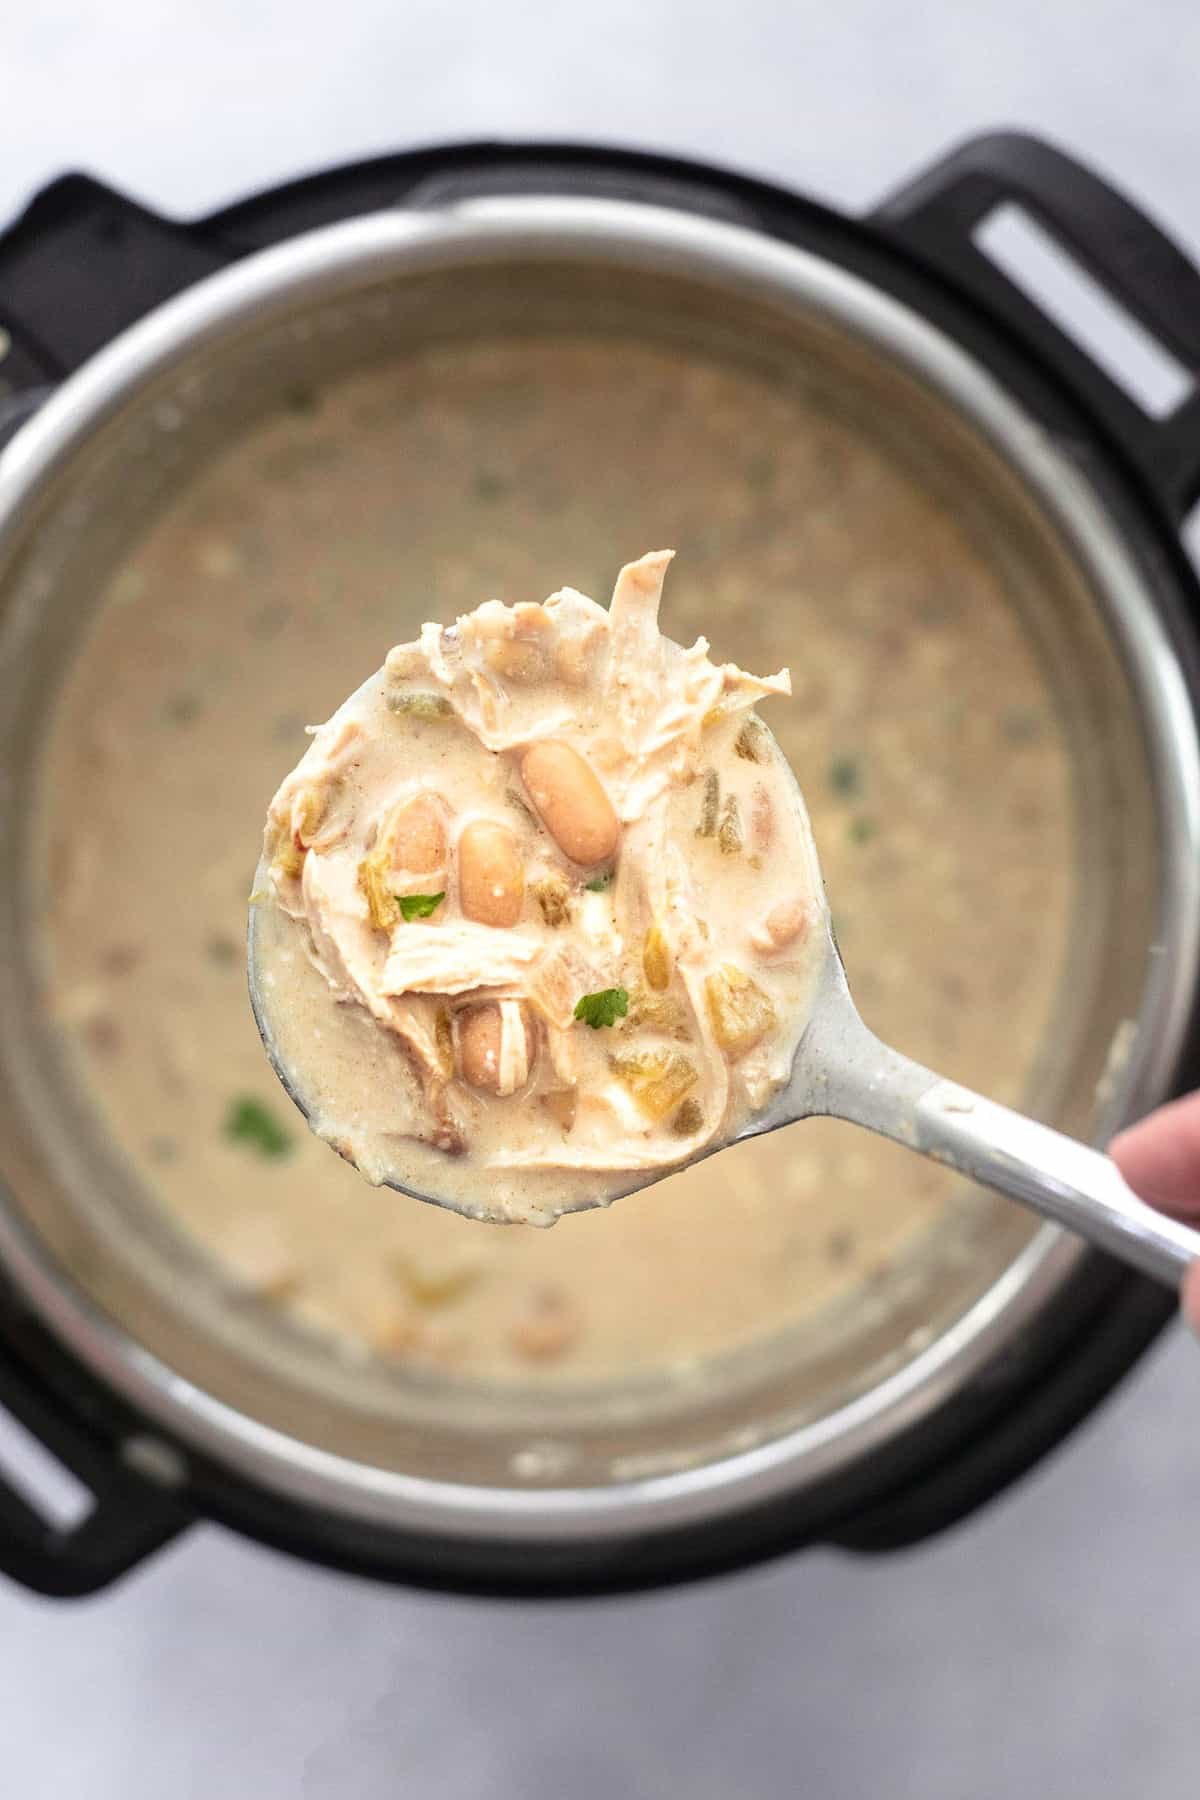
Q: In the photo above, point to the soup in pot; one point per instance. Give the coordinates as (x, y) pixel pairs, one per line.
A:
(922, 732)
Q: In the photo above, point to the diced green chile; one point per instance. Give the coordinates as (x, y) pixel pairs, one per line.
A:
(710, 804)
(420, 705)
(730, 835)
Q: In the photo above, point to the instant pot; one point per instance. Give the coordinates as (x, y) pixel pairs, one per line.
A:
(131, 344)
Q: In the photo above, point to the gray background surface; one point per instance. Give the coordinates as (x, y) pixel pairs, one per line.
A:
(1050, 1647)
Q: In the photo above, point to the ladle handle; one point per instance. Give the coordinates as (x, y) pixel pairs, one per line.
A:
(1058, 1177)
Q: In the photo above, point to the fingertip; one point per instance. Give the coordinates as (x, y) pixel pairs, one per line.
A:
(1160, 1156)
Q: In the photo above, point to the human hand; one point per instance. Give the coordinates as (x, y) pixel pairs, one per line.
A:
(1160, 1159)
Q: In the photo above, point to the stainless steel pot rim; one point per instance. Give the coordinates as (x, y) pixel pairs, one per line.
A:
(340, 258)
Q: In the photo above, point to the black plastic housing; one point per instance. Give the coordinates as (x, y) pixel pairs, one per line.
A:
(83, 262)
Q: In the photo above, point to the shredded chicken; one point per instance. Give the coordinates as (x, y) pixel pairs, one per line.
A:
(598, 766)
(456, 957)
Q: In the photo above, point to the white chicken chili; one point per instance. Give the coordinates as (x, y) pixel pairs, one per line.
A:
(559, 891)
(924, 727)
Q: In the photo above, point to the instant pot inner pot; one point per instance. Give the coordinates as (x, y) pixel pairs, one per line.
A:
(295, 495)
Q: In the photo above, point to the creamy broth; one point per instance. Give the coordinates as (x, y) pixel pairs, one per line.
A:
(559, 895)
(921, 729)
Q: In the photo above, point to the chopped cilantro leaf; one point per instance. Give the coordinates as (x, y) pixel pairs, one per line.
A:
(845, 775)
(598, 883)
(604, 1008)
(419, 906)
(488, 485)
(248, 1122)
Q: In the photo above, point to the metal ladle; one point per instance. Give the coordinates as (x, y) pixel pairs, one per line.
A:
(841, 1070)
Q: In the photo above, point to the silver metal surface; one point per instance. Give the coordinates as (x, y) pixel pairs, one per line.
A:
(843, 1071)
(355, 258)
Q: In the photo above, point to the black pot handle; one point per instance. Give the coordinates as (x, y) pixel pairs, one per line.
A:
(130, 1517)
(936, 216)
(80, 264)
